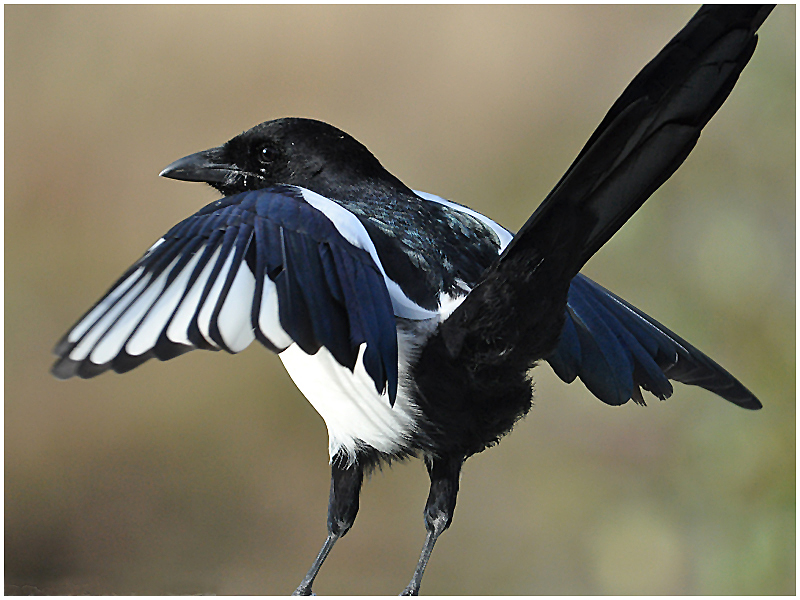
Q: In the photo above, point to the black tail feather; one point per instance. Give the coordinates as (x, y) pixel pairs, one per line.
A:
(644, 138)
(476, 363)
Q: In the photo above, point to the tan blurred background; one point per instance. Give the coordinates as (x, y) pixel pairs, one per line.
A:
(208, 474)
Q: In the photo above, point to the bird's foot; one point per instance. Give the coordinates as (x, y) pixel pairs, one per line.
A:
(410, 591)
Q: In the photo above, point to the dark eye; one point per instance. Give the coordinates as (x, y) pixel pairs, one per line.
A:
(267, 155)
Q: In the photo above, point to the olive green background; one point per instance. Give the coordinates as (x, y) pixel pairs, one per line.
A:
(208, 474)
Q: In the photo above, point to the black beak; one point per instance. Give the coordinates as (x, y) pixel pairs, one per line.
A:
(207, 166)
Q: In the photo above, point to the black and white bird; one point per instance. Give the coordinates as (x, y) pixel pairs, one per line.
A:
(409, 322)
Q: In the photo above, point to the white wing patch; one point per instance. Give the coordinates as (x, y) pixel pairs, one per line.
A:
(179, 327)
(116, 336)
(151, 328)
(234, 321)
(207, 291)
(206, 312)
(82, 327)
(268, 318)
(88, 342)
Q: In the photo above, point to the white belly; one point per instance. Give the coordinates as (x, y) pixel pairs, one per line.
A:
(354, 412)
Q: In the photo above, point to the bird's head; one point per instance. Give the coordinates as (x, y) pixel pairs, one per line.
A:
(292, 151)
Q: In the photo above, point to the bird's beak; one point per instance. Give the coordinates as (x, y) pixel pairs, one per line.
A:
(207, 166)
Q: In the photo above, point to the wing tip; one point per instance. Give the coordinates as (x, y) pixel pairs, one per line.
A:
(750, 402)
(64, 369)
(63, 347)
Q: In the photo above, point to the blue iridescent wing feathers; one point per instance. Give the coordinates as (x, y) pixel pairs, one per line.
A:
(615, 349)
(260, 265)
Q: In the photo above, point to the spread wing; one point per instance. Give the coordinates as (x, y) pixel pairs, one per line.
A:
(269, 265)
(616, 349)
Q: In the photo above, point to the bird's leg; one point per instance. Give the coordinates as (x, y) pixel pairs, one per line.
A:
(342, 509)
(444, 474)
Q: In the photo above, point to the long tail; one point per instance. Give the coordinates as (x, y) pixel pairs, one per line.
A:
(516, 314)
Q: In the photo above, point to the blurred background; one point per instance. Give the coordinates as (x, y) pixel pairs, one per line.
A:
(209, 474)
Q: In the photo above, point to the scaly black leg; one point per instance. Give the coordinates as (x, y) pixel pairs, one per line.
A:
(444, 474)
(342, 510)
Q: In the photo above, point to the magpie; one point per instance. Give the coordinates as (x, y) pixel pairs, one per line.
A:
(409, 322)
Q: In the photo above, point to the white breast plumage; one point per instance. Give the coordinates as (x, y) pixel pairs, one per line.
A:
(355, 414)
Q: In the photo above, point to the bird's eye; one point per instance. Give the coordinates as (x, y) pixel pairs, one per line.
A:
(267, 155)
